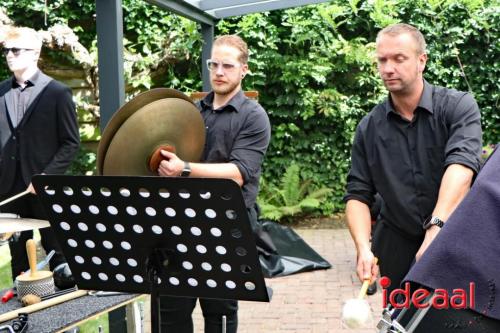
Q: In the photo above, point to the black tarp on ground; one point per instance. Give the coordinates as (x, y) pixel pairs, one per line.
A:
(283, 252)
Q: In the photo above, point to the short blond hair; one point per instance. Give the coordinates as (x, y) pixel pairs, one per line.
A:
(235, 41)
(26, 34)
(403, 28)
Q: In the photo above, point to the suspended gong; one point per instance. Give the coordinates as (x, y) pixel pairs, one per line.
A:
(156, 119)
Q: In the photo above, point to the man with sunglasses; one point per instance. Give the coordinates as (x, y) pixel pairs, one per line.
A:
(38, 134)
(237, 136)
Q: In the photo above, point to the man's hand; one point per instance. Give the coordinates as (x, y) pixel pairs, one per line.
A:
(366, 268)
(31, 189)
(172, 165)
(430, 234)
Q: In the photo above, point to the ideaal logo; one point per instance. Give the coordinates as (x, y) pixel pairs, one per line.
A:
(419, 298)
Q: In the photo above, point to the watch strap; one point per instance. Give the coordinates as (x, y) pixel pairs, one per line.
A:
(433, 220)
(186, 171)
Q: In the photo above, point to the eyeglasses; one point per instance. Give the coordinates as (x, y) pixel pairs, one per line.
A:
(213, 65)
(15, 50)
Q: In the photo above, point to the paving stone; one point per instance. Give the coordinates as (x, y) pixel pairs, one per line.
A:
(309, 302)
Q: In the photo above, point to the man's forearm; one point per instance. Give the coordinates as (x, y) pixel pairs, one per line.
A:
(359, 222)
(455, 184)
(217, 170)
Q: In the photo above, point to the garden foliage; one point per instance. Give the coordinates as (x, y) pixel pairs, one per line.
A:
(292, 197)
(313, 66)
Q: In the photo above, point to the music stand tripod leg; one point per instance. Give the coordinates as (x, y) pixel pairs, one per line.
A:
(155, 263)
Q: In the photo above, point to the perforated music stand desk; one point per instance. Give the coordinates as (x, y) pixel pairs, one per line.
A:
(121, 233)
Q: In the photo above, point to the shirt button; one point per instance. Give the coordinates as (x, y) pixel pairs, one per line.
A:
(14, 137)
(12, 157)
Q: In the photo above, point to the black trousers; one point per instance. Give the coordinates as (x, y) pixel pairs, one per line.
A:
(28, 206)
(396, 253)
(175, 312)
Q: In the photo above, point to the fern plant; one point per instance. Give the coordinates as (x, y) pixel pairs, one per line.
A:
(293, 197)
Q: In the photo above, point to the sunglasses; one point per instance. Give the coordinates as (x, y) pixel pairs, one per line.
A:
(213, 65)
(15, 50)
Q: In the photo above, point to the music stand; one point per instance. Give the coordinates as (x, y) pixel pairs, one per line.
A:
(187, 237)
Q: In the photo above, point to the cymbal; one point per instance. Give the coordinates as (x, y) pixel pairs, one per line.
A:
(159, 118)
(14, 224)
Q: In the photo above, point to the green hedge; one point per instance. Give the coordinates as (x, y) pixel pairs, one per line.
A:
(313, 66)
(315, 70)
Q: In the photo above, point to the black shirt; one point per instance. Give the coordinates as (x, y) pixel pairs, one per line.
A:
(22, 97)
(238, 132)
(405, 160)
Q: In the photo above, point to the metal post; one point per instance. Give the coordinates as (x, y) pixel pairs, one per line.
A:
(109, 21)
(207, 32)
(109, 18)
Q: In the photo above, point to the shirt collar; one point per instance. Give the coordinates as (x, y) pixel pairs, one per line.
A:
(234, 103)
(424, 103)
(426, 99)
(32, 81)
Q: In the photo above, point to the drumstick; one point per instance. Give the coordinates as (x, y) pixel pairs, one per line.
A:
(6, 201)
(42, 305)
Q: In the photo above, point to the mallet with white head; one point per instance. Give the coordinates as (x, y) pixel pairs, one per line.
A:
(356, 312)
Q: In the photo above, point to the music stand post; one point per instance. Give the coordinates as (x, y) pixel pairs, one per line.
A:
(187, 237)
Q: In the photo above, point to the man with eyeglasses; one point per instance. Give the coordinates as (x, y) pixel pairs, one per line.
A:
(237, 136)
(38, 134)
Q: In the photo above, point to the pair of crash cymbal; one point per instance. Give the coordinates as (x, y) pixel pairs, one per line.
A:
(156, 119)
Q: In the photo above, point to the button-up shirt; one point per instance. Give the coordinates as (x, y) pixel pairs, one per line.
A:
(405, 160)
(239, 133)
(22, 97)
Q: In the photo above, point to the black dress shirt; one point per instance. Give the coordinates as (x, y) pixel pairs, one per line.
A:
(405, 160)
(239, 133)
(22, 97)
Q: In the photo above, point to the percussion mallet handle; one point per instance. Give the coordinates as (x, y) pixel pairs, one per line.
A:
(42, 305)
(6, 201)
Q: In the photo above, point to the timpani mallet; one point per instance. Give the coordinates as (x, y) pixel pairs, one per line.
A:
(39, 283)
(356, 312)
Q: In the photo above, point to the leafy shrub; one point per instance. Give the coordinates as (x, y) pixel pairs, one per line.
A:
(294, 197)
(487, 150)
(313, 66)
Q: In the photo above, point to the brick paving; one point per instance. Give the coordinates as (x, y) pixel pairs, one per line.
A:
(309, 302)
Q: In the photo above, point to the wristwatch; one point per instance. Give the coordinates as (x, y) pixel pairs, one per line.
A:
(432, 220)
(186, 171)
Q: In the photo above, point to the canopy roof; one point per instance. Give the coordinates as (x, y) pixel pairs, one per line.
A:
(207, 11)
